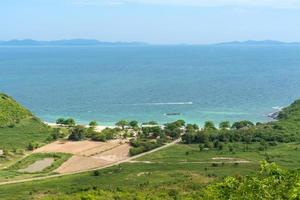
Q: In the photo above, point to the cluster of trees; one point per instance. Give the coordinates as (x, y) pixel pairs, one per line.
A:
(152, 136)
(106, 134)
(66, 122)
(127, 124)
(77, 133)
(243, 131)
(142, 145)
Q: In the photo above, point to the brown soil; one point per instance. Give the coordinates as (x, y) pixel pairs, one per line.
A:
(88, 154)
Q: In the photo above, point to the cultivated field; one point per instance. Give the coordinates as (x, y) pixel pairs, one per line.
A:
(88, 154)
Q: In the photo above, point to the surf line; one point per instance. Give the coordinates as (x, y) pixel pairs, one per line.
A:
(161, 103)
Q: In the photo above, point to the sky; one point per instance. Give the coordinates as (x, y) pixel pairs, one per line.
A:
(151, 21)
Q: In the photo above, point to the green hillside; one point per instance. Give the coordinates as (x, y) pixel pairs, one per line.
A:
(11, 112)
(18, 126)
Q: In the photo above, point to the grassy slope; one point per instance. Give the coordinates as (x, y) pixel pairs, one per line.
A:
(164, 173)
(11, 173)
(18, 126)
(11, 112)
(289, 118)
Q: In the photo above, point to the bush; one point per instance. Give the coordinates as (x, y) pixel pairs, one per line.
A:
(77, 133)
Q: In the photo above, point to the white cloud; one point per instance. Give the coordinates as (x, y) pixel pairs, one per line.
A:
(203, 3)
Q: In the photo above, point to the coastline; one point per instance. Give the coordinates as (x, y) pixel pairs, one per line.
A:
(98, 128)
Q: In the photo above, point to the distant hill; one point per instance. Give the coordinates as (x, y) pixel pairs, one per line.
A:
(18, 126)
(72, 42)
(255, 42)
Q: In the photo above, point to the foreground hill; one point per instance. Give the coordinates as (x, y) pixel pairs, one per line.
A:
(18, 126)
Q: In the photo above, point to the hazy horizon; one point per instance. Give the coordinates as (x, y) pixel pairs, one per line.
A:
(154, 22)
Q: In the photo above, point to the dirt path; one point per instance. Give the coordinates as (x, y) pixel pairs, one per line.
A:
(195, 162)
(107, 166)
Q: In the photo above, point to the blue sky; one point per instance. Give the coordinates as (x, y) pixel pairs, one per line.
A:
(153, 21)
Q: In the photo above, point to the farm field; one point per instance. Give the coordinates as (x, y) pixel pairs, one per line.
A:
(160, 172)
(62, 157)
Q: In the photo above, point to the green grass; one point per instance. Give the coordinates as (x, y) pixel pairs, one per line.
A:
(11, 112)
(18, 127)
(285, 154)
(170, 170)
(18, 137)
(12, 173)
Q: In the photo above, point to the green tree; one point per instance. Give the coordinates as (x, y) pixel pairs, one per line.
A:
(242, 124)
(133, 124)
(122, 124)
(224, 125)
(209, 125)
(93, 123)
(60, 121)
(70, 122)
(77, 133)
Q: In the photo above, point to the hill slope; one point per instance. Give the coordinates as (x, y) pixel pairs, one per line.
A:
(18, 126)
(11, 112)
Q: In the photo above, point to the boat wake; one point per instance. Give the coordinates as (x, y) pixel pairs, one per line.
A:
(166, 103)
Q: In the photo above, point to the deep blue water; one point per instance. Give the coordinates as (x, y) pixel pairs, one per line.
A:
(112, 83)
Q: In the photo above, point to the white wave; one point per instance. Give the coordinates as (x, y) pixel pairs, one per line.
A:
(277, 108)
(165, 103)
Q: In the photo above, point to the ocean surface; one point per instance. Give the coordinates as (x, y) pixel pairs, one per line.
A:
(145, 82)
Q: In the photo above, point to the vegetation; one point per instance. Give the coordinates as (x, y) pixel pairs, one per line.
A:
(272, 182)
(66, 122)
(59, 158)
(11, 113)
(122, 124)
(106, 134)
(12, 172)
(18, 127)
(77, 133)
(286, 129)
(93, 123)
(168, 171)
(153, 136)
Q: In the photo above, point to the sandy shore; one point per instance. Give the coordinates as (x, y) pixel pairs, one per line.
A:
(97, 128)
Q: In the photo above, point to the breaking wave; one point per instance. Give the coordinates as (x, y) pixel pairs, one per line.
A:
(165, 103)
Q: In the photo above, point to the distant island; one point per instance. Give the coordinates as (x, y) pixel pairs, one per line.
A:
(92, 42)
(258, 42)
(71, 42)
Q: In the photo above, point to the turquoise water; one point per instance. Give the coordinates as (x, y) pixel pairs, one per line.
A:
(112, 83)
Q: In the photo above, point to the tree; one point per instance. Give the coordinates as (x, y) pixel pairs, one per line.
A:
(122, 124)
(242, 124)
(93, 123)
(133, 124)
(60, 121)
(224, 125)
(180, 123)
(77, 133)
(209, 125)
(201, 147)
(69, 122)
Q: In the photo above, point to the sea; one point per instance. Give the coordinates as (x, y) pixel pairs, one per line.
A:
(162, 83)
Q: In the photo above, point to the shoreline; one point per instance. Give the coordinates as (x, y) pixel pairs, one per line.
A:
(98, 128)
